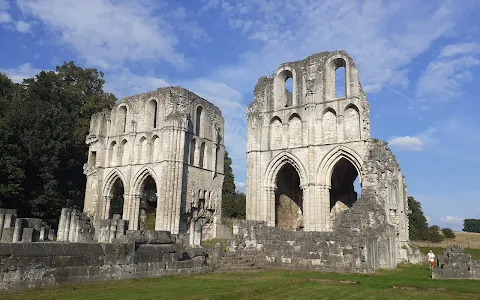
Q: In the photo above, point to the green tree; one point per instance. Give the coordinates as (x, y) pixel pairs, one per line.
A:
(418, 223)
(12, 159)
(434, 235)
(448, 233)
(471, 225)
(233, 202)
(49, 118)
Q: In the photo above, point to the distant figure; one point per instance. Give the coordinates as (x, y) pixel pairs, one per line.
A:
(431, 259)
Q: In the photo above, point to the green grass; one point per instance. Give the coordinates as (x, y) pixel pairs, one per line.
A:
(439, 250)
(270, 284)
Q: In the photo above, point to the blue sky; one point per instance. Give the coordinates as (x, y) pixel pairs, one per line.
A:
(419, 62)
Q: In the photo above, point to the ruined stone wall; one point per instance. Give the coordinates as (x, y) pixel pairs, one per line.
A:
(170, 135)
(311, 129)
(325, 139)
(323, 251)
(14, 229)
(33, 265)
(455, 264)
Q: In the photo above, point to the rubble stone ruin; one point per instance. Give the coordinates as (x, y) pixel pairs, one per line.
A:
(308, 143)
(156, 160)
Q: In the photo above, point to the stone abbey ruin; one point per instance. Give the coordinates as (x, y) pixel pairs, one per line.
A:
(154, 188)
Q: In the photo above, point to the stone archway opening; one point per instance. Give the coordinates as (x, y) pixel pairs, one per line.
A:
(345, 187)
(117, 199)
(288, 199)
(148, 204)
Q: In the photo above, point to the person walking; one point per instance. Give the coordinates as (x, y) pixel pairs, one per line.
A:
(431, 259)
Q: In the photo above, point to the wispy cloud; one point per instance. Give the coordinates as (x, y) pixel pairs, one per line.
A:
(109, 33)
(382, 36)
(443, 78)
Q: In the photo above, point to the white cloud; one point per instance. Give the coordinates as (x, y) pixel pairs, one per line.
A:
(412, 143)
(23, 27)
(382, 36)
(451, 219)
(443, 78)
(428, 219)
(240, 186)
(124, 83)
(5, 17)
(407, 143)
(108, 33)
(23, 71)
(462, 48)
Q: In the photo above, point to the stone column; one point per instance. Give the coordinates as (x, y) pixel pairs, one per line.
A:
(135, 213)
(62, 223)
(2, 217)
(17, 233)
(308, 224)
(270, 206)
(323, 209)
(66, 229)
(72, 227)
(106, 204)
(9, 219)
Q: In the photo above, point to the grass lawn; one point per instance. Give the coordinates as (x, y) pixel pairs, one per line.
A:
(413, 280)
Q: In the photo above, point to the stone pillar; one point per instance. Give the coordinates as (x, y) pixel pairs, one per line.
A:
(43, 233)
(112, 230)
(198, 234)
(270, 206)
(135, 211)
(106, 205)
(51, 234)
(9, 220)
(323, 209)
(66, 230)
(308, 203)
(17, 233)
(62, 223)
(71, 229)
(2, 217)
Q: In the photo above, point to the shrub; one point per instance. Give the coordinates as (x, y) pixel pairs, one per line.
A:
(448, 233)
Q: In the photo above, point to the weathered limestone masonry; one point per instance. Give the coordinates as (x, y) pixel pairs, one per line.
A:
(306, 148)
(454, 264)
(14, 229)
(138, 254)
(157, 158)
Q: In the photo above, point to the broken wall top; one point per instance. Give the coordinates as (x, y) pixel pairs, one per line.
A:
(175, 105)
(314, 75)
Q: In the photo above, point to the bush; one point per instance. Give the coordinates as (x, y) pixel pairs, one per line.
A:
(434, 235)
(448, 233)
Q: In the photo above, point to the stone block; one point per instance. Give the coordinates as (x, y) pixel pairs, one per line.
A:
(7, 235)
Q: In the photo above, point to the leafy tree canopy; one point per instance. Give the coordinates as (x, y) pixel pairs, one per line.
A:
(42, 132)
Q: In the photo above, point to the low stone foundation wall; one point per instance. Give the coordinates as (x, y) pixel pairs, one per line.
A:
(40, 264)
(455, 264)
(323, 251)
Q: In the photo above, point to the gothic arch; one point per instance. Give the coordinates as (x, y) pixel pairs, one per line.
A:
(110, 180)
(280, 94)
(276, 165)
(325, 169)
(140, 177)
